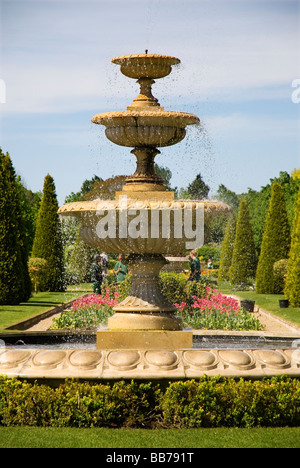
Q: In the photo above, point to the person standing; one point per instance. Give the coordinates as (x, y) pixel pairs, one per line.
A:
(195, 267)
(120, 269)
(96, 274)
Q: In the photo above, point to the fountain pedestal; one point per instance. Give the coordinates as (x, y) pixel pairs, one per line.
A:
(144, 339)
(145, 319)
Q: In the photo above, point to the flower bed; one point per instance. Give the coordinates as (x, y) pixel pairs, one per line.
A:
(199, 305)
(87, 312)
(216, 312)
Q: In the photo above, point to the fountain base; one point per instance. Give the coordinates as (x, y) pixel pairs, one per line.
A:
(144, 339)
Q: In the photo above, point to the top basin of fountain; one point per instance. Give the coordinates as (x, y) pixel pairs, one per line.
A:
(146, 65)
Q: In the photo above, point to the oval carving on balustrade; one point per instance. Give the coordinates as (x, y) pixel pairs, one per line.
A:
(201, 359)
(124, 360)
(271, 358)
(162, 359)
(49, 359)
(85, 359)
(237, 358)
(13, 357)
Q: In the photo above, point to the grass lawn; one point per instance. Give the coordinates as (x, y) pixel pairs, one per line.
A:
(269, 302)
(35, 437)
(38, 303)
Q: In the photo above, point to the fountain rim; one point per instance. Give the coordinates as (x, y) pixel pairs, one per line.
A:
(169, 59)
(173, 118)
(89, 206)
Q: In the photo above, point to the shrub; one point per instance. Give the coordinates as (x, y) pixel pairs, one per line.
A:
(37, 270)
(210, 251)
(207, 402)
(227, 249)
(216, 312)
(243, 257)
(292, 284)
(15, 284)
(215, 402)
(279, 273)
(47, 242)
(87, 312)
(276, 242)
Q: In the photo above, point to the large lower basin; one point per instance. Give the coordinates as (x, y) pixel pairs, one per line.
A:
(144, 226)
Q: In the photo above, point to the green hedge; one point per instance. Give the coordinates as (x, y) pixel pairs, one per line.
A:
(207, 402)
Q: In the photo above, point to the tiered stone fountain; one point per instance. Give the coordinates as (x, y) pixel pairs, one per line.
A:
(145, 338)
(145, 318)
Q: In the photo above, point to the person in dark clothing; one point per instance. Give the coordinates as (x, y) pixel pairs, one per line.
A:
(195, 267)
(96, 274)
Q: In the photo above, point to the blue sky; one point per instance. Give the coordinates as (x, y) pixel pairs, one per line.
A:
(239, 59)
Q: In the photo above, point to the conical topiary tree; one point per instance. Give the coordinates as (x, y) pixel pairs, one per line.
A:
(243, 257)
(47, 242)
(275, 243)
(292, 283)
(15, 284)
(227, 249)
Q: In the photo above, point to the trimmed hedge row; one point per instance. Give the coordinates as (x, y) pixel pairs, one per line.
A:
(207, 402)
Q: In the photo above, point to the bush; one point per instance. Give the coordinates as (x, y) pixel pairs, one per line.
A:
(47, 242)
(15, 284)
(210, 251)
(87, 312)
(243, 256)
(275, 243)
(292, 284)
(37, 270)
(216, 312)
(279, 273)
(214, 402)
(207, 402)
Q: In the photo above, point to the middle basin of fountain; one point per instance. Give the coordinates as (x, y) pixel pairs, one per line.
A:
(145, 128)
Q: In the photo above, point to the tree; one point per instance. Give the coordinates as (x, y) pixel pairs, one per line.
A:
(229, 197)
(106, 189)
(227, 249)
(47, 242)
(275, 243)
(198, 190)
(15, 284)
(29, 203)
(292, 283)
(86, 187)
(243, 256)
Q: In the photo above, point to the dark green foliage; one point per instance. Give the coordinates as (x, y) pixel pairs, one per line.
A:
(207, 402)
(276, 241)
(198, 190)
(29, 203)
(48, 239)
(243, 257)
(229, 197)
(210, 251)
(258, 203)
(227, 249)
(280, 272)
(15, 284)
(292, 284)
